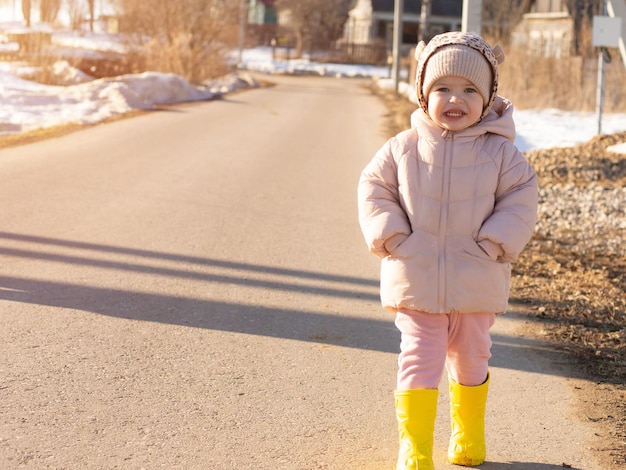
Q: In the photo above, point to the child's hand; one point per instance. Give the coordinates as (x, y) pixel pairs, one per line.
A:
(491, 249)
(394, 241)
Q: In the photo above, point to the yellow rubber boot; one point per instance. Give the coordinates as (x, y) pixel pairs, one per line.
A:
(416, 411)
(467, 413)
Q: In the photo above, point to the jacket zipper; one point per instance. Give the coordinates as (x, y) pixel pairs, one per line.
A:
(443, 221)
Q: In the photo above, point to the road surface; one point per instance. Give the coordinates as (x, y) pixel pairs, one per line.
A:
(188, 289)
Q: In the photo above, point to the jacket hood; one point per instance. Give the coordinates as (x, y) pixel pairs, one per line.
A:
(498, 120)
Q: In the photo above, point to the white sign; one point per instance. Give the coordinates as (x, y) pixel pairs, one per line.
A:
(606, 31)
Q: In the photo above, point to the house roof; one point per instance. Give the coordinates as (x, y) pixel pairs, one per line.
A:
(438, 7)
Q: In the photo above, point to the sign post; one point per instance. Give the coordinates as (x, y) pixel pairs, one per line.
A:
(606, 33)
(617, 9)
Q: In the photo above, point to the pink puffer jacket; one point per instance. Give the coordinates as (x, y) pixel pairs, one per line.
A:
(447, 212)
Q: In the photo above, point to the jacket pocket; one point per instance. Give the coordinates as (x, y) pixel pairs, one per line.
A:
(471, 247)
(418, 245)
(477, 282)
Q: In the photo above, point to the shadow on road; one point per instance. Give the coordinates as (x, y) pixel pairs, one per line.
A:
(237, 318)
(186, 273)
(301, 325)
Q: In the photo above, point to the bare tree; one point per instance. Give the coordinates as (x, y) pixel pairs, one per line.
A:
(187, 37)
(314, 21)
(424, 21)
(26, 11)
(76, 11)
(48, 10)
(499, 18)
(92, 12)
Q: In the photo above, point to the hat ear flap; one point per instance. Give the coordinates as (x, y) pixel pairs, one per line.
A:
(419, 49)
(499, 54)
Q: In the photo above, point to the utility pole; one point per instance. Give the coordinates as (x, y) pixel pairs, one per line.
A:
(398, 11)
(472, 16)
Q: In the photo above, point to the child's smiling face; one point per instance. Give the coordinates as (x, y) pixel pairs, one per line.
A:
(454, 103)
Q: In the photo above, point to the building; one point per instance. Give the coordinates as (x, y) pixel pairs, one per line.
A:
(371, 21)
(262, 21)
(555, 28)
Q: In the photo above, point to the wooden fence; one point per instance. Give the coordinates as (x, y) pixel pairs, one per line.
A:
(344, 53)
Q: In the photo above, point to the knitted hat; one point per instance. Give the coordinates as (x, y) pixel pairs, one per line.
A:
(460, 61)
(458, 54)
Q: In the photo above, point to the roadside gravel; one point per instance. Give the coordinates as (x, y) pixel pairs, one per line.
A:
(572, 276)
(582, 195)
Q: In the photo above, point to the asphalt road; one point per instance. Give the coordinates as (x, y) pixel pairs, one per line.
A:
(188, 289)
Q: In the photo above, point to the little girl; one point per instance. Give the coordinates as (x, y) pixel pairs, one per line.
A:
(447, 205)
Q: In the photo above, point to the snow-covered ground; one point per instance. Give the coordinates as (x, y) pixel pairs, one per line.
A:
(538, 128)
(26, 105)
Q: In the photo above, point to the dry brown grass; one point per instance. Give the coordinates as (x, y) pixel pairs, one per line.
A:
(569, 83)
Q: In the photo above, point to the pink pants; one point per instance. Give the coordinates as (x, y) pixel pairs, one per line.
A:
(460, 342)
